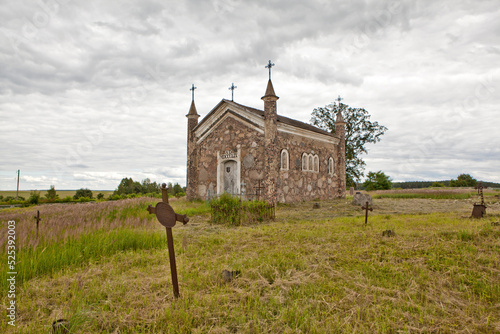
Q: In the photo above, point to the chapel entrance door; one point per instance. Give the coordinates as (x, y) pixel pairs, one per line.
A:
(230, 177)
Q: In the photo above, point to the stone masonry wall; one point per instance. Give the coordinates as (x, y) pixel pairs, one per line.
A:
(297, 185)
(231, 135)
(292, 186)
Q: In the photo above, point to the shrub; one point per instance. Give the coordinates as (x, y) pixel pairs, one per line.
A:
(34, 197)
(229, 210)
(83, 193)
(437, 184)
(51, 194)
(100, 196)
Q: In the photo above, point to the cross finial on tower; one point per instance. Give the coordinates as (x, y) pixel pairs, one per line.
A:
(269, 65)
(339, 99)
(192, 90)
(232, 88)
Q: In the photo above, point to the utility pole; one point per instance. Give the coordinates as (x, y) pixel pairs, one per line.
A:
(17, 192)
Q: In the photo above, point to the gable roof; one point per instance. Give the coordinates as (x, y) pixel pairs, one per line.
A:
(260, 113)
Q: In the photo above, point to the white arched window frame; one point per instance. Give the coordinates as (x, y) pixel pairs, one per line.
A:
(285, 160)
(331, 166)
(305, 161)
(316, 163)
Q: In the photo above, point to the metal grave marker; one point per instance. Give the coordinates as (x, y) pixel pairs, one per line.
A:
(167, 217)
(37, 218)
(479, 210)
(366, 207)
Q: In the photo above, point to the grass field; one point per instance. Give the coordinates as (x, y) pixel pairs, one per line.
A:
(61, 193)
(104, 267)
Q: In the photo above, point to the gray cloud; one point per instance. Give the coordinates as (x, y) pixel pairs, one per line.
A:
(94, 91)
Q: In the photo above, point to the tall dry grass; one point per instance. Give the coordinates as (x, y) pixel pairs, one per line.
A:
(61, 222)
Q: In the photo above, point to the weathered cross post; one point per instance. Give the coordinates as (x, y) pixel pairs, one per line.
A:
(258, 189)
(479, 209)
(366, 207)
(37, 218)
(167, 217)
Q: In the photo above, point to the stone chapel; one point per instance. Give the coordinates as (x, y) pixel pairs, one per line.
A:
(246, 151)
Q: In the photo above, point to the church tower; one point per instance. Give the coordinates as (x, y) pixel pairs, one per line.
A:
(271, 153)
(192, 159)
(340, 131)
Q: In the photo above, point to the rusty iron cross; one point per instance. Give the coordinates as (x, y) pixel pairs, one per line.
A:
(167, 217)
(366, 207)
(258, 189)
(232, 88)
(479, 188)
(37, 218)
(269, 65)
(192, 90)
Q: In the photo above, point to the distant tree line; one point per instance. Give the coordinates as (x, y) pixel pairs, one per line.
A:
(463, 180)
(128, 186)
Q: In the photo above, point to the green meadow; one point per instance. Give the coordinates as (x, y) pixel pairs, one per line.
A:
(104, 268)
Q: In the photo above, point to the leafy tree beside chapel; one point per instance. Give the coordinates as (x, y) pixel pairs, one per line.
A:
(377, 181)
(359, 131)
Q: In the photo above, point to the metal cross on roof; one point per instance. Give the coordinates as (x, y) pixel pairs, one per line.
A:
(269, 65)
(232, 88)
(339, 99)
(192, 90)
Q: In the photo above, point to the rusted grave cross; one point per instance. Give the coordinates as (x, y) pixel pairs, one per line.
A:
(37, 218)
(479, 210)
(258, 189)
(167, 217)
(366, 207)
(479, 188)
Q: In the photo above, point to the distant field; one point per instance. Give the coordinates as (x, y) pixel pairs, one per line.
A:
(104, 267)
(61, 193)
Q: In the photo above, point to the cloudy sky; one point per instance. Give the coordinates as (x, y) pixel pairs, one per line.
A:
(94, 91)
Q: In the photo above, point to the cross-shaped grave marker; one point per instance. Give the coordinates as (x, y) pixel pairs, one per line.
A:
(167, 217)
(258, 189)
(37, 218)
(366, 207)
(479, 210)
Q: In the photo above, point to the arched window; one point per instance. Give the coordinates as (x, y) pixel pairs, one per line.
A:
(284, 160)
(304, 162)
(331, 166)
(310, 166)
(316, 163)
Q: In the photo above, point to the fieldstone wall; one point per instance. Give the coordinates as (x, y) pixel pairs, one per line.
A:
(297, 185)
(292, 185)
(231, 135)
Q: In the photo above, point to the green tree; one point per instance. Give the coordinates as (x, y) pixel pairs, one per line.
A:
(464, 180)
(377, 181)
(128, 186)
(100, 196)
(51, 194)
(359, 131)
(149, 187)
(34, 197)
(83, 193)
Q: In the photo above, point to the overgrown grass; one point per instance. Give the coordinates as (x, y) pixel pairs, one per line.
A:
(87, 248)
(310, 271)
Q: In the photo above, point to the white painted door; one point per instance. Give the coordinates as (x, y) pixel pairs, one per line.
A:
(230, 177)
